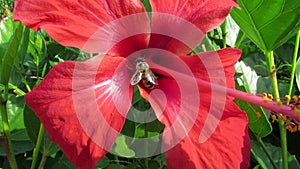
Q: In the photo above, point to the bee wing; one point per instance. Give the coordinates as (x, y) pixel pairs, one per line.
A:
(151, 77)
(136, 77)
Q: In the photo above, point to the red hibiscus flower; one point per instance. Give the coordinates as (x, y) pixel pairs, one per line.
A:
(83, 105)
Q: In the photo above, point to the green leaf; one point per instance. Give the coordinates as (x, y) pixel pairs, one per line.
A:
(275, 153)
(257, 62)
(132, 166)
(247, 81)
(15, 108)
(59, 163)
(267, 23)
(48, 147)
(7, 29)
(115, 166)
(297, 73)
(32, 124)
(232, 31)
(23, 48)
(70, 54)
(21, 142)
(10, 55)
(153, 164)
(129, 128)
(19, 147)
(19, 135)
(285, 52)
(147, 5)
(136, 95)
(104, 162)
(121, 148)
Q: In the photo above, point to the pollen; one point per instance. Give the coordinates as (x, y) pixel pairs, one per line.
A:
(297, 111)
(295, 98)
(283, 118)
(292, 127)
(292, 106)
(257, 114)
(265, 96)
(270, 96)
(279, 103)
(273, 118)
(287, 98)
(267, 100)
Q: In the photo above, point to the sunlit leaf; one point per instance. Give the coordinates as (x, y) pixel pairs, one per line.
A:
(10, 55)
(121, 148)
(15, 107)
(23, 48)
(268, 24)
(232, 31)
(7, 29)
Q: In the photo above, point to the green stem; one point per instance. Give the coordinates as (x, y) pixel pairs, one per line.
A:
(261, 143)
(17, 90)
(7, 144)
(146, 146)
(283, 144)
(272, 71)
(117, 159)
(294, 63)
(43, 161)
(203, 48)
(37, 146)
(26, 84)
(224, 33)
(240, 40)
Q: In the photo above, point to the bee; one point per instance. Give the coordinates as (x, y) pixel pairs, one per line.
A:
(144, 74)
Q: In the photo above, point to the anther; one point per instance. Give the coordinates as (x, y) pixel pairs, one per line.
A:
(295, 98)
(273, 118)
(288, 98)
(257, 114)
(270, 96)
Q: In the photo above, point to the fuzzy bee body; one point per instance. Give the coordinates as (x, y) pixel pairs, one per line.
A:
(144, 74)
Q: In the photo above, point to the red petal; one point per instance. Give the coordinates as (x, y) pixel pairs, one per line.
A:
(79, 104)
(227, 147)
(175, 24)
(72, 22)
(206, 15)
(204, 128)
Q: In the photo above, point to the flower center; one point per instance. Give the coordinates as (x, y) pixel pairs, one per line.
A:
(143, 74)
